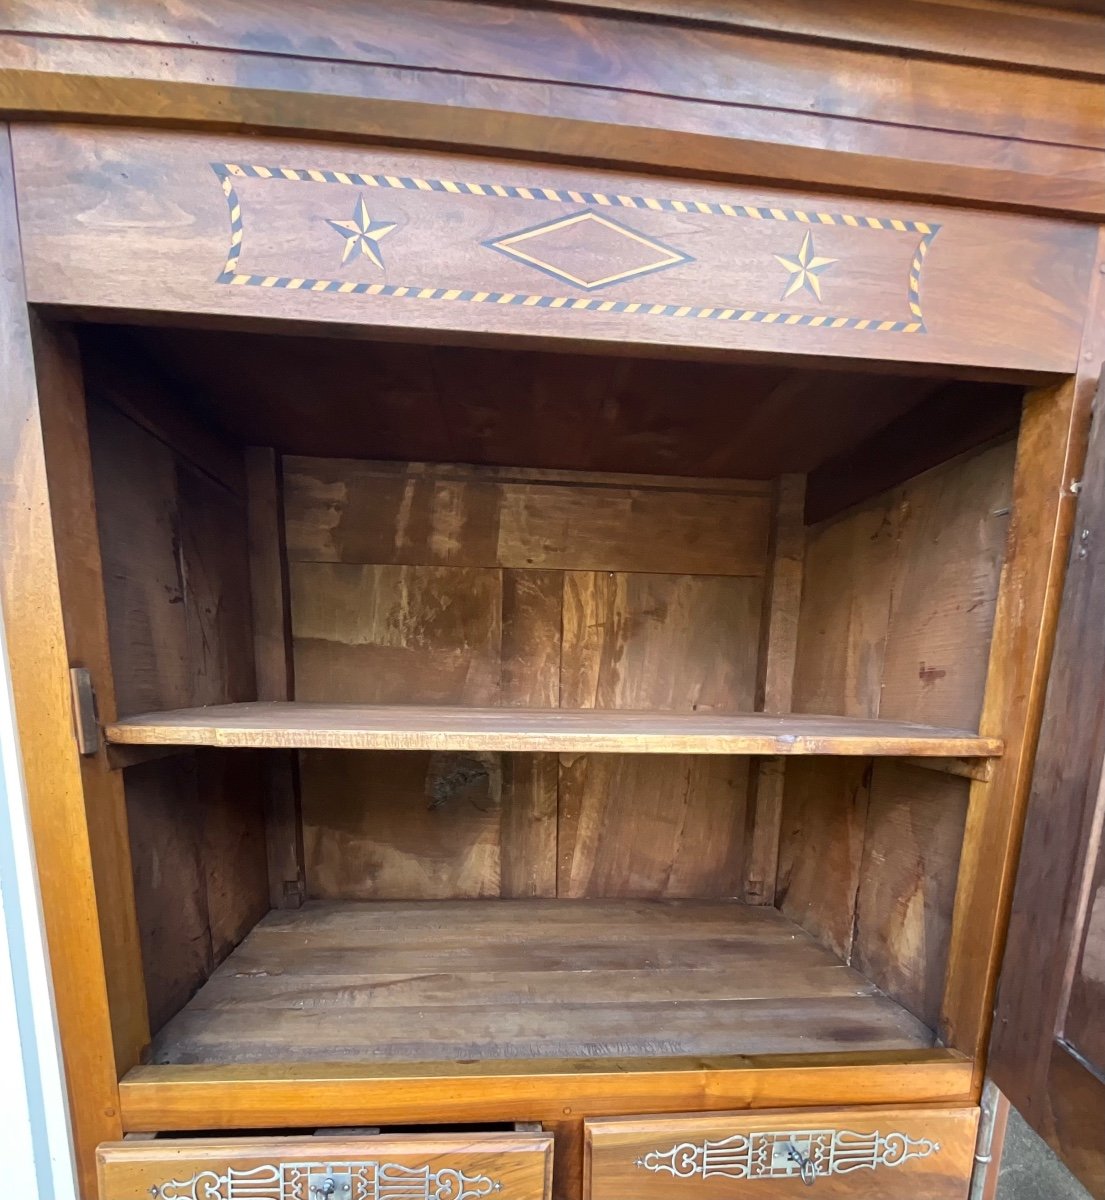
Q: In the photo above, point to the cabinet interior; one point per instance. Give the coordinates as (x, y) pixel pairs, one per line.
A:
(289, 520)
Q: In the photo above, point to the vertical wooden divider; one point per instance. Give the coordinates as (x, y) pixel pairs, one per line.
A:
(1050, 454)
(268, 571)
(76, 805)
(775, 683)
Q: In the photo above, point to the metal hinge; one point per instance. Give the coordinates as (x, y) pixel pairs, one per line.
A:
(86, 720)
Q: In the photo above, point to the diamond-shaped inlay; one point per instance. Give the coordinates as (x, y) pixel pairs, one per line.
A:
(589, 250)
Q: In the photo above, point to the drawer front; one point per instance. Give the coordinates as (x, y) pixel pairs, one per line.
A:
(883, 1153)
(407, 1167)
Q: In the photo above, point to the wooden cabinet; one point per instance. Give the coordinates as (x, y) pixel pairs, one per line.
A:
(883, 1153)
(411, 1166)
(554, 639)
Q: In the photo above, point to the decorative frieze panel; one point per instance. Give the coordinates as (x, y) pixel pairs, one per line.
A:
(594, 242)
(417, 244)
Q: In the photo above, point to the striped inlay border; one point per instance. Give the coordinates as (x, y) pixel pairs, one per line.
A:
(227, 173)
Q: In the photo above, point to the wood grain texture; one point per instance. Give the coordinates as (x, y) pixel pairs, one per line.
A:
(274, 667)
(39, 665)
(782, 601)
(649, 56)
(1056, 900)
(424, 727)
(176, 567)
(1050, 453)
(530, 826)
(672, 643)
(909, 635)
(823, 823)
(629, 83)
(200, 867)
(65, 436)
(907, 882)
(176, 576)
(519, 979)
(342, 510)
(936, 1162)
(549, 412)
(519, 1164)
(651, 826)
(1028, 276)
(388, 635)
(265, 1097)
(385, 826)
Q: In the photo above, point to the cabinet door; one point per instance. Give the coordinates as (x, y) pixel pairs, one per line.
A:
(406, 1167)
(1047, 1052)
(869, 1153)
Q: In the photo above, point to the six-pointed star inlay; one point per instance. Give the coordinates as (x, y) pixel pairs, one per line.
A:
(805, 269)
(362, 234)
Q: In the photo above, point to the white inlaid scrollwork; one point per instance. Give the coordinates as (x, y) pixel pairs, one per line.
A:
(330, 1181)
(787, 1154)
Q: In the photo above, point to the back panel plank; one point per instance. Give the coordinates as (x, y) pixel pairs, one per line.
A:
(655, 825)
(344, 510)
(499, 587)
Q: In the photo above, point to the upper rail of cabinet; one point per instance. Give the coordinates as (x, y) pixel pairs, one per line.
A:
(404, 244)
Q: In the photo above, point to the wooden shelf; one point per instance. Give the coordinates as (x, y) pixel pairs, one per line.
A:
(295, 725)
(415, 981)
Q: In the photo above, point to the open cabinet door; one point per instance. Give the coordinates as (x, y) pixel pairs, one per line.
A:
(1048, 1045)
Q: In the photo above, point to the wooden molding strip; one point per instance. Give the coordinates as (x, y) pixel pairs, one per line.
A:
(229, 1097)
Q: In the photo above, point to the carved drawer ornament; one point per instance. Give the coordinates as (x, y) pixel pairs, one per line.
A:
(329, 1181)
(782, 1154)
(586, 247)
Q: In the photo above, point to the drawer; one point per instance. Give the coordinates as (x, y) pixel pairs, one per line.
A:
(883, 1153)
(401, 1167)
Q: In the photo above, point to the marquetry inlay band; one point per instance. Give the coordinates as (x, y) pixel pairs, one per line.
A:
(336, 1180)
(510, 243)
(785, 1153)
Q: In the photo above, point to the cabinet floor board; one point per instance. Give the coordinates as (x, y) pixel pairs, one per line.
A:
(410, 981)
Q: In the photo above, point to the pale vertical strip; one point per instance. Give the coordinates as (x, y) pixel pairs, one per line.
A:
(35, 1144)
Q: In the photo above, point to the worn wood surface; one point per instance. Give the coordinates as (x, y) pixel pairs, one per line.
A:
(1050, 454)
(649, 286)
(517, 1166)
(908, 636)
(782, 598)
(927, 1152)
(424, 727)
(524, 979)
(419, 514)
(545, 411)
(33, 609)
(176, 577)
(478, 587)
(266, 1097)
(696, 89)
(823, 825)
(1046, 999)
(649, 825)
(66, 436)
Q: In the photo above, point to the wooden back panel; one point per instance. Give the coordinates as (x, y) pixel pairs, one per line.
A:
(495, 586)
(897, 611)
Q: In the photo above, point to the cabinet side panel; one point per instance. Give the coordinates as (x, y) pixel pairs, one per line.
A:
(897, 614)
(172, 529)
